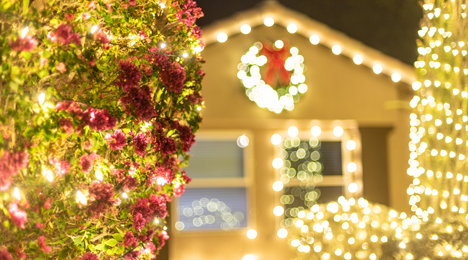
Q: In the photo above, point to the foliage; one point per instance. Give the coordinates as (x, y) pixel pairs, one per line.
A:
(99, 105)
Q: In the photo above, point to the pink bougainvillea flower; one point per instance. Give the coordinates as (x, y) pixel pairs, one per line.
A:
(43, 61)
(10, 165)
(67, 125)
(89, 256)
(92, 62)
(39, 225)
(61, 67)
(179, 188)
(132, 2)
(117, 140)
(69, 17)
(91, 5)
(138, 222)
(23, 44)
(51, 36)
(130, 240)
(197, 32)
(86, 16)
(4, 255)
(19, 253)
(109, 8)
(101, 36)
(189, 13)
(60, 167)
(124, 5)
(86, 162)
(101, 196)
(18, 216)
(138, 100)
(140, 143)
(162, 237)
(42, 244)
(65, 35)
(47, 203)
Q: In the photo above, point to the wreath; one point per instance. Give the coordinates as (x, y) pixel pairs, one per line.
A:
(273, 75)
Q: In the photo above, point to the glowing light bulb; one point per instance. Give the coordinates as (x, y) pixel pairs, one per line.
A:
(278, 211)
(338, 131)
(81, 198)
(292, 28)
(277, 186)
(185, 55)
(49, 175)
(315, 131)
(314, 39)
(98, 175)
(277, 163)
(251, 234)
(269, 21)
(279, 44)
(163, 45)
(24, 32)
(377, 69)
(245, 29)
(41, 98)
(243, 141)
(358, 59)
(293, 131)
(350, 145)
(16, 193)
(336, 50)
(352, 187)
(94, 28)
(222, 37)
(282, 233)
(396, 77)
(124, 195)
(276, 139)
(352, 167)
(249, 257)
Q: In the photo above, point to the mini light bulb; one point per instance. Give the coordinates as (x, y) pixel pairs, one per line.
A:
(81, 198)
(124, 195)
(41, 98)
(98, 175)
(17, 194)
(24, 32)
(49, 175)
(94, 28)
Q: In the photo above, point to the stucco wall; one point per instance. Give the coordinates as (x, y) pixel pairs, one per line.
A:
(338, 90)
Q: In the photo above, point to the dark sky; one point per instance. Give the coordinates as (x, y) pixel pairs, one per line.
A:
(387, 25)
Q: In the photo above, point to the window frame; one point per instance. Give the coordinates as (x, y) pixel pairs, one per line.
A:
(247, 182)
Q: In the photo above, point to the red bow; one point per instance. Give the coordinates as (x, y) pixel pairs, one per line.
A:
(275, 66)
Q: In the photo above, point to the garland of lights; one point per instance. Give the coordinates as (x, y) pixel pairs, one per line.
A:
(283, 96)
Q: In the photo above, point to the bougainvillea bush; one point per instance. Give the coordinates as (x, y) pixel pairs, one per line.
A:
(99, 105)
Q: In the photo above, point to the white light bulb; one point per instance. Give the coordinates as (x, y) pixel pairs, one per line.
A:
(396, 77)
(358, 59)
(279, 44)
(98, 175)
(24, 32)
(352, 187)
(249, 257)
(352, 167)
(49, 175)
(185, 55)
(276, 139)
(282, 233)
(377, 69)
(277, 163)
(41, 98)
(269, 21)
(278, 211)
(243, 141)
(245, 29)
(293, 131)
(350, 145)
(314, 39)
(292, 28)
(336, 49)
(81, 198)
(277, 186)
(222, 37)
(251, 234)
(124, 195)
(94, 28)
(338, 131)
(163, 45)
(316, 131)
(16, 193)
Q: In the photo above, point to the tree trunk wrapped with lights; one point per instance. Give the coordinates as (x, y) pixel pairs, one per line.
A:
(438, 228)
(99, 105)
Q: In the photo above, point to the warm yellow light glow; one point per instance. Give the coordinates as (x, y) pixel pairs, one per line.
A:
(81, 198)
(338, 131)
(251, 233)
(314, 39)
(41, 98)
(292, 28)
(17, 194)
(222, 37)
(377, 69)
(282, 233)
(277, 186)
(276, 139)
(352, 167)
(350, 145)
(278, 211)
(293, 131)
(336, 50)
(352, 187)
(94, 28)
(245, 29)
(268, 21)
(279, 44)
(24, 32)
(358, 59)
(277, 163)
(242, 141)
(396, 77)
(98, 175)
(316, 131)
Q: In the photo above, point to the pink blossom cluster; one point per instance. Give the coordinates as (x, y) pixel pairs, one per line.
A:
(117, 140)
(101, 195)
(10, 165)
(145, 209)
(60, 167)
(23, 44)
(4, 255)
(89, 256)
(96, 119)
(162, 237)
(42, 244)
(139, 101)
(67, 125)
(18, 216)
(64, 35)
(140, 142)
(187, 138)
(195, 98)
(171, 74)
(189, 13)
(197, 32)
(86, 162)
(130, 75)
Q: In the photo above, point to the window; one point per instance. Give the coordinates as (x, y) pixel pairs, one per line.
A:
(217, 198)
(315, 169)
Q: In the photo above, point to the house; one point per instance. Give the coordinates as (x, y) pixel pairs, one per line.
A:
(340, 129)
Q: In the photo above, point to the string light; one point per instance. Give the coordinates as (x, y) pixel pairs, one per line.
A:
(24, 32)
(17, 194)
(222, 37)
(80, 198)
(292, 28)
(41, 98)
(251, 233)
(94, 28)
(245, 29)
(314, 39)
(268, 21)
(336, 49)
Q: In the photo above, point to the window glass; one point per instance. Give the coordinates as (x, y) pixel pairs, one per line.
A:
(212, 208)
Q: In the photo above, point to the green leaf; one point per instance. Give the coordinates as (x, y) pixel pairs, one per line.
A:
(64, 253)
(46, 54)
(110, 251)
(118, 237)
(121, 232)
(25, 6)
(108, 19)
(111, 242)
(42, 73)
(99, 247)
